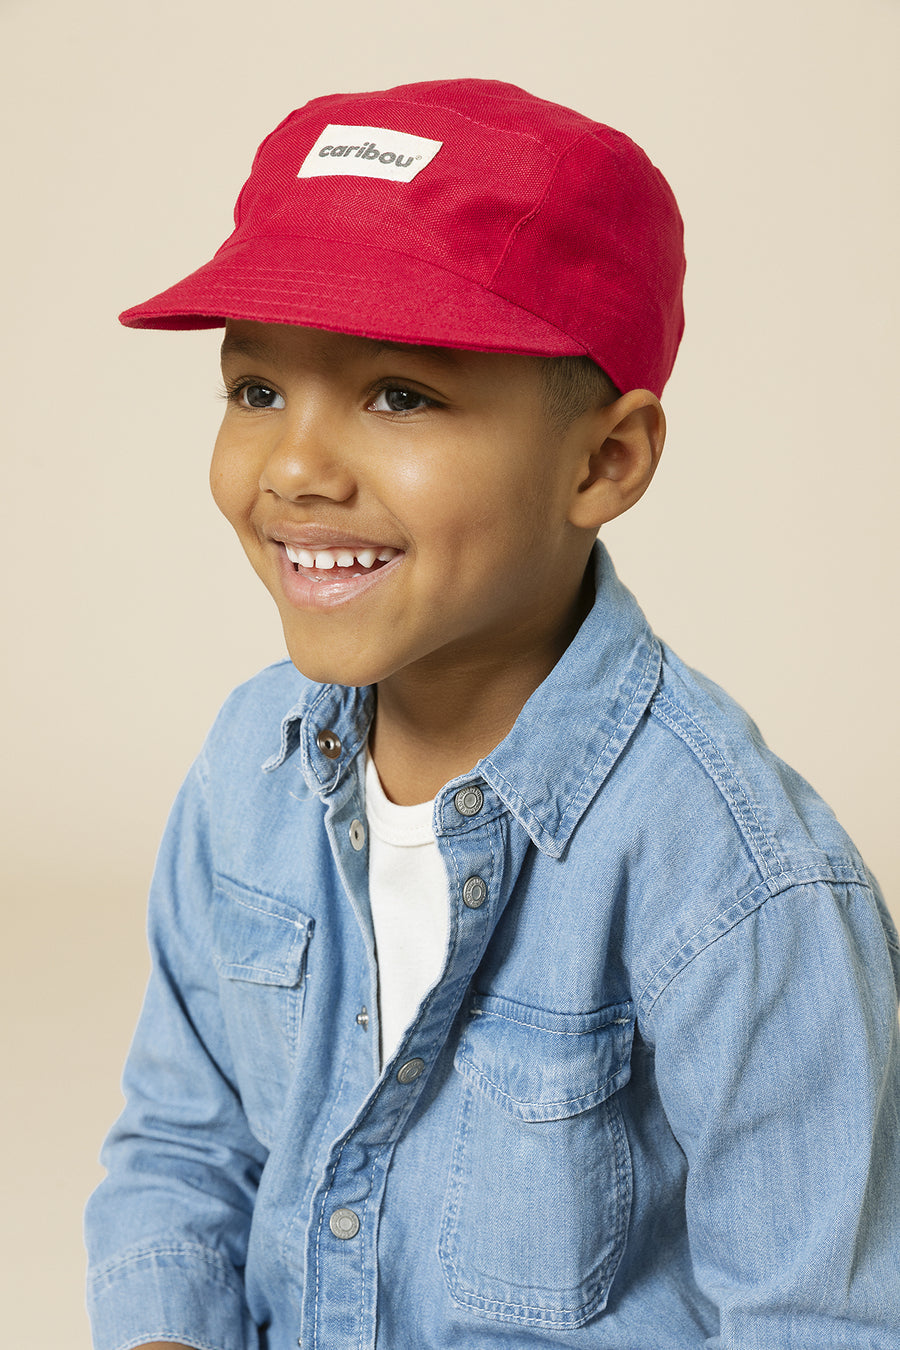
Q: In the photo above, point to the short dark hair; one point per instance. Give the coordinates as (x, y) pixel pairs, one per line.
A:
(572, 385)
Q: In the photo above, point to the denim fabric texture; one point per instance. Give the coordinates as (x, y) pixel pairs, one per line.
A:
(655, 1095)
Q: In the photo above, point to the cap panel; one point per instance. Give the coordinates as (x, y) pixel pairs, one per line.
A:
(609, 225)
(436, 217)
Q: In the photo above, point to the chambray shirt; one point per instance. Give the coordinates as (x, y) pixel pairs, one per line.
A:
(652, 1101)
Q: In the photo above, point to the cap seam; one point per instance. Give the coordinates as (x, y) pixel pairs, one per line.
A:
(475, 122)
(538, 206)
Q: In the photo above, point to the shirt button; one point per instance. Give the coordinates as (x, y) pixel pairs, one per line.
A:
(344, 1223)
(329, 744)
(357, 834)
(469, 801)
(410, 1071)
(474, 893)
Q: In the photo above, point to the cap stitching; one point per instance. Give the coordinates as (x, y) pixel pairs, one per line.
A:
(535, 210)
(238, 288)
(447, 108)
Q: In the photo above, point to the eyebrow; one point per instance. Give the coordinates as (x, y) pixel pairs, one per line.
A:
(445, 356)
(246, 346)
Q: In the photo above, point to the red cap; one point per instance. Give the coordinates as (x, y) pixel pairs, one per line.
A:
(458, 213)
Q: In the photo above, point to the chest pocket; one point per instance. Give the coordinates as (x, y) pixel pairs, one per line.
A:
(260, 951)
(539, 1193)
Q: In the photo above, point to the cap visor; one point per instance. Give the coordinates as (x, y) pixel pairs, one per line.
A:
(358, 289)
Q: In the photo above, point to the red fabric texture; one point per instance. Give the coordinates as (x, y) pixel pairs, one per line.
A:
(533, 230)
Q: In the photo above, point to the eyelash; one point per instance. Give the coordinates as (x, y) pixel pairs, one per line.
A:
(398, 387)
(233, 390)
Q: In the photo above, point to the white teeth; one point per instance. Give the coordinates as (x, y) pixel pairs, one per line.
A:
(327, 558)
(300, 557)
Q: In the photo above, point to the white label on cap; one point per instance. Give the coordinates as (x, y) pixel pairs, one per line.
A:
(369, 152)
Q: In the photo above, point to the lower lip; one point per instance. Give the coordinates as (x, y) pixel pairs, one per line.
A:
(326, 589)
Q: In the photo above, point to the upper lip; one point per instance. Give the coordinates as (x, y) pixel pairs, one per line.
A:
(313, 536)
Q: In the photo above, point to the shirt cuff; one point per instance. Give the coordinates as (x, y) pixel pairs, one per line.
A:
(174, 1292)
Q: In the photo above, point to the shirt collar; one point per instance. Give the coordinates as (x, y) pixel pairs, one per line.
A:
(328, 725)
(576, 724)
(564, 742)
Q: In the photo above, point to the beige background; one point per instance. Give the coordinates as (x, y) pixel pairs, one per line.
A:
(766, 552)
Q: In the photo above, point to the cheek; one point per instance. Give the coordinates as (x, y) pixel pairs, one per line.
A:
(229, 482)
(445, 496)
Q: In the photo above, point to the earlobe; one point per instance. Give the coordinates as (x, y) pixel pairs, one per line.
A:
(620, 451)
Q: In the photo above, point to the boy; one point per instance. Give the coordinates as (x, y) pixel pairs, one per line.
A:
(521, 997)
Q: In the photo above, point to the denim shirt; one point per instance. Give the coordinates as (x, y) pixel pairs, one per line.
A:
(652, 1101)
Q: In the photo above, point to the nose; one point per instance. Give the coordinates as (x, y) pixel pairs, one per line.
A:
(306, 460)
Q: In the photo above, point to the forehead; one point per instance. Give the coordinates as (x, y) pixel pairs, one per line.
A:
(292, 344)
(271, 340)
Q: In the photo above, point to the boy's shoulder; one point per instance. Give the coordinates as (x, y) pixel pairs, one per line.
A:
(712, 827)
(785, 826)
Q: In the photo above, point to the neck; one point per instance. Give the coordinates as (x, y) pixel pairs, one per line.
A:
(434, 725)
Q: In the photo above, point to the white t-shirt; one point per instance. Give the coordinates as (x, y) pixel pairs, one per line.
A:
(409, 901)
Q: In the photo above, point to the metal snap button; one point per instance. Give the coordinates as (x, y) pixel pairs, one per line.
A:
(344, 1224)
(410, 1071)
(362, 1018)
(329, 744)
(474, 893)
(469, 801)
(357, 834)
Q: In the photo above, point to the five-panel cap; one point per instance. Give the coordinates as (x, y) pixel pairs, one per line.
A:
(457, 213)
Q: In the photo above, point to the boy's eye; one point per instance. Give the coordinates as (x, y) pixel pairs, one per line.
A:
(396, 399)
(259, 396)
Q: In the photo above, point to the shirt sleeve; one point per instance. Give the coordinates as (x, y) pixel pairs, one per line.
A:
(777, 1063)
(167, 1229)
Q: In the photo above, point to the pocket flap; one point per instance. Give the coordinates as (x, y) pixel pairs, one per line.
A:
(257, 938)
(543, 1066)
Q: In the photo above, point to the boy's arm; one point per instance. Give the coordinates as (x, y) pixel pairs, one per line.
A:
(167, 1229)
(777, 1061)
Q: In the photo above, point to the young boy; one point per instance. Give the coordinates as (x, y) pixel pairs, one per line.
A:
(512, 993)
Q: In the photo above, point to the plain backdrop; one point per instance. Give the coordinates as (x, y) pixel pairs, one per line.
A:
(765, 553)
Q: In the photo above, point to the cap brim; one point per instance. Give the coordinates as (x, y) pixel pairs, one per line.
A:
(359, 289)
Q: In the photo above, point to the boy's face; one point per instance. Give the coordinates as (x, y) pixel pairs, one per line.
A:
(407, 507)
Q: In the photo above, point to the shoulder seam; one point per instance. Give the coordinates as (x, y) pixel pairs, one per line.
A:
(761, 846)
(726, 922)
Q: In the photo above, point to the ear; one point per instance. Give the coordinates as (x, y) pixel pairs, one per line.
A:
(618, 454)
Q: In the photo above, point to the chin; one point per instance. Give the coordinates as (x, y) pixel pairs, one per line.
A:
(331, 668)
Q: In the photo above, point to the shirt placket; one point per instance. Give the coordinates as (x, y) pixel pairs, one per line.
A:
(340, 1301)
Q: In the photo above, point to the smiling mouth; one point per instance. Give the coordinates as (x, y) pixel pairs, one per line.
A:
(323, 564)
